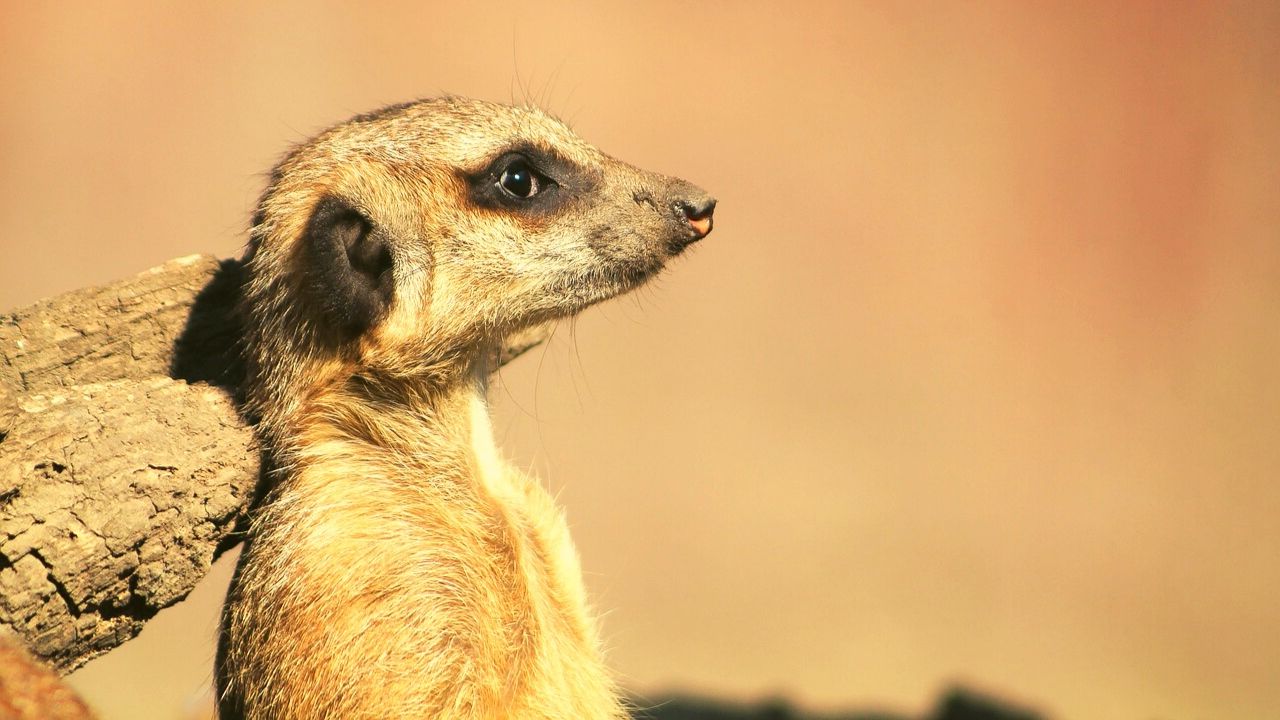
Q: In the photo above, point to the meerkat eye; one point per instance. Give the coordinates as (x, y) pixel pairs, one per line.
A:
(520, 180)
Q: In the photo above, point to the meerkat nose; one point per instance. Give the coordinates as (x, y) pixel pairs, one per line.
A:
(698, 212)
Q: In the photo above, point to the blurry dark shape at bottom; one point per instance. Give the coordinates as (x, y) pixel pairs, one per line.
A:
(956, 704)
(962, 704)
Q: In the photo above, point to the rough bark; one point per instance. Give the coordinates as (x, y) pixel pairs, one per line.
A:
(125, 466)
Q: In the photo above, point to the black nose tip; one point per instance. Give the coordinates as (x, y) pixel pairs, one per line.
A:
(697, 212)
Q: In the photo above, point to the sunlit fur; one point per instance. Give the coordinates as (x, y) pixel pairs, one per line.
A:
(31, 690)
(398, 566)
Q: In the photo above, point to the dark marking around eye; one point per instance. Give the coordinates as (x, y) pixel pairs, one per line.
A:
(527, 180)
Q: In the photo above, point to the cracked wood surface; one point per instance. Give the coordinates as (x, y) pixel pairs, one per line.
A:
(125, 466)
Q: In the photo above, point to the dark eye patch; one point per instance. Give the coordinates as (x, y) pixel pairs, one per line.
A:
(527, 180)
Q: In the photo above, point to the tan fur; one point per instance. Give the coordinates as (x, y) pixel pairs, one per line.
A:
(30, 690)
(398, 566)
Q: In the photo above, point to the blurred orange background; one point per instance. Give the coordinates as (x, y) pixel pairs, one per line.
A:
(976, 379)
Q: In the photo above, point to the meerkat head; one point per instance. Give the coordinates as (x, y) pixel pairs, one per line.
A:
(417, 235)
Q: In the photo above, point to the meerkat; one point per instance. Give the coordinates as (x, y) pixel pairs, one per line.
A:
(397, 566)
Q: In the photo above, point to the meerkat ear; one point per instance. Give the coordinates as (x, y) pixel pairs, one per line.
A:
(348, 266)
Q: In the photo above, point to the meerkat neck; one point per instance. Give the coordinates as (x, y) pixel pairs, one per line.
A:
(394, 414)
